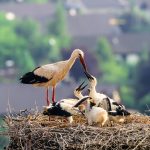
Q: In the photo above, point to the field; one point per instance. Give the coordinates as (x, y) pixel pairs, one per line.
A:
(37, 132)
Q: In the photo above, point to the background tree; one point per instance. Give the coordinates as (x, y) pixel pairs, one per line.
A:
(23, 43)
(112, 70)
(37, 43)
(3, 139)
(11, 45)
(136, 19)
(142, 80)
(58, 29)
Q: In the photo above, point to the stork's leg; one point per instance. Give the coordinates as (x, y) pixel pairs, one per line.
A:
(47, 97)
(53, 94)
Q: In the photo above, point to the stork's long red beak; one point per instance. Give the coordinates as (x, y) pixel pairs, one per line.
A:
(83, 63)
(81, 101)
(88, 76)
(81, 87)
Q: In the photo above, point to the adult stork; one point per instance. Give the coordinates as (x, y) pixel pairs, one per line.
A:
(50, 74)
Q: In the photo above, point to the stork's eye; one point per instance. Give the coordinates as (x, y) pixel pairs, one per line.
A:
(120, 108)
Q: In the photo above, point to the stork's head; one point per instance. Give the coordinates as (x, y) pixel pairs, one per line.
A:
(92, 79)
(122, 111)
(81, 108)
(45, 111)
(80, 54)
(78, 90)
(91, 102)
(77, 53)
(47, 108)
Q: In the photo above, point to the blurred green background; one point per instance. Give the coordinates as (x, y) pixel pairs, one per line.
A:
(3, 138)
(115, 36)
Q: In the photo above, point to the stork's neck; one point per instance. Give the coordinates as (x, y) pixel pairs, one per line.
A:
(71, 61)
(92, 91)
(80, 96)
(88, 108)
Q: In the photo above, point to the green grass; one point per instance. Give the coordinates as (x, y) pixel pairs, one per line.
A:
(3, 139)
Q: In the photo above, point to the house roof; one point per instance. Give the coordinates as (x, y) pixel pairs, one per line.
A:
(85, 30)
(130, 42)
(102, 3)
(91, 25)
(85, 25)
(39, 12)
(88, 42)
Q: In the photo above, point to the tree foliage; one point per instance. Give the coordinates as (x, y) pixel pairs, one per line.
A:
(127, 95)
(136, 19)
(10, 44)
(113, 71)
(142, 80)
(58, 27)
(22, 42)
(3, 139)
(144, 103)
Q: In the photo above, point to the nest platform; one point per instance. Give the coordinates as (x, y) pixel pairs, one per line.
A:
(37, 132)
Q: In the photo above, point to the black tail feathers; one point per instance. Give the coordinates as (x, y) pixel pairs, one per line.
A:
(27, 78)
(31, 78)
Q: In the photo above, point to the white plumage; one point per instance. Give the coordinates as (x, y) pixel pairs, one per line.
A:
(69, 101)
(94, 114)
(49, 75)
(99, 98)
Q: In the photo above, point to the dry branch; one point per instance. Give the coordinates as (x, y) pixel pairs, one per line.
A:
(38, 133)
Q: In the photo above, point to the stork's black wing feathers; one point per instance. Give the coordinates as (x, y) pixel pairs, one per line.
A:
(107, 100)
(113, 113)
(115, 103)
(119, 112)
(58, 111)
(31, 78)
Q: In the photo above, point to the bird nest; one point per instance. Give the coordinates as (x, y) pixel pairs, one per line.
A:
(38, 132)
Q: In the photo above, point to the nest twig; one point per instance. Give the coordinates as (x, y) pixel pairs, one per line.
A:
(37, 132)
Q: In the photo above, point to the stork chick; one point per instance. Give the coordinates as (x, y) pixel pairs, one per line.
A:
(99, 97)
(78, 90)
(119, 115)
(49, 75)
(78, 94)
(94, 114)
(62, 108)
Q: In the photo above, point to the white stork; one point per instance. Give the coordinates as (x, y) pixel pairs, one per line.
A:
(101, 99)
(50, 74)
